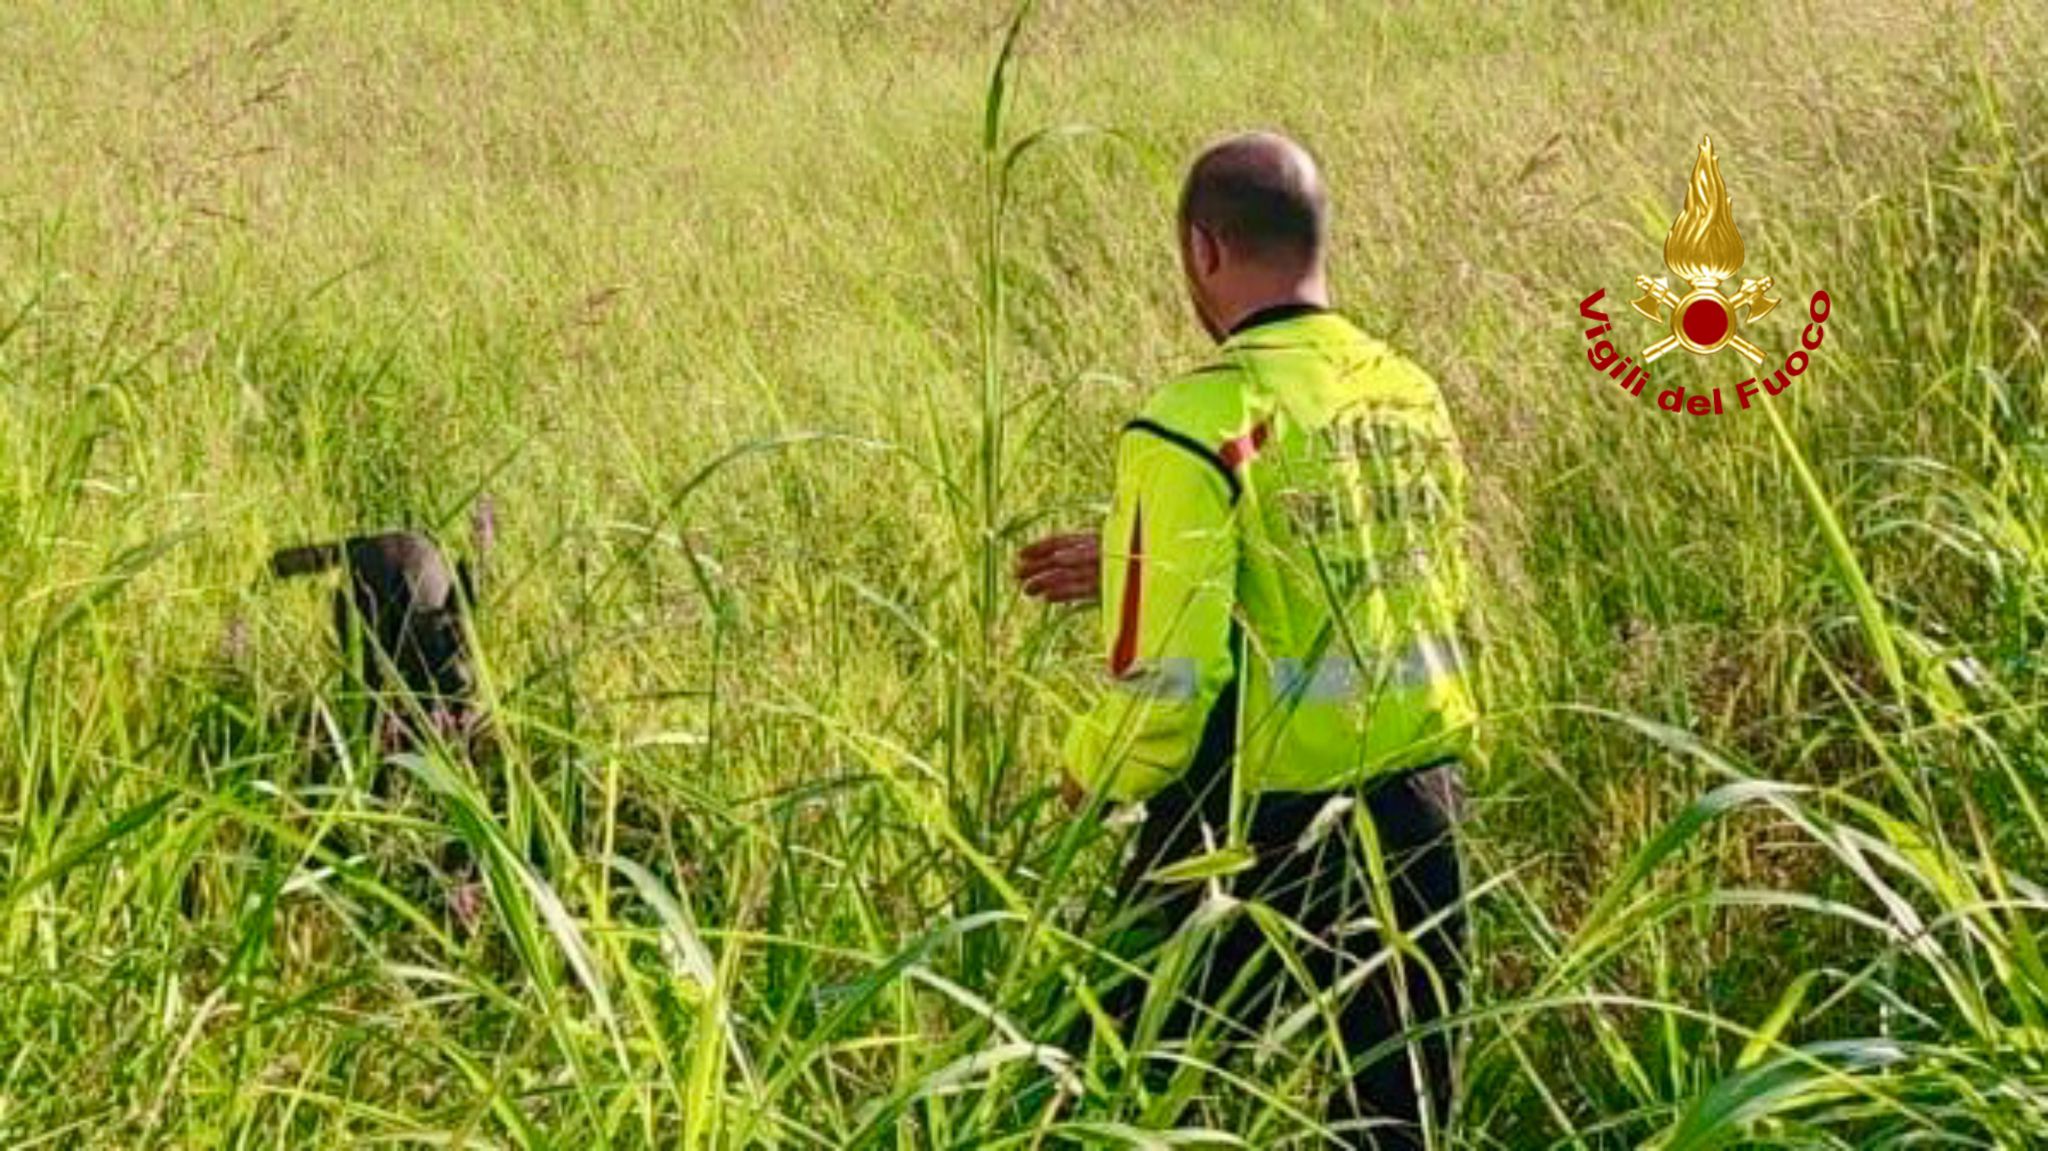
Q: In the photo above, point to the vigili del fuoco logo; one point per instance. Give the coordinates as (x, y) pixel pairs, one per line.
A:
(1704, 251)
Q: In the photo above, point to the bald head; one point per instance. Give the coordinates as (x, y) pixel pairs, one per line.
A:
(1259, 195)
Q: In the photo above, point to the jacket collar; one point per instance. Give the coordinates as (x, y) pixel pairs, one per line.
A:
(1273, 315)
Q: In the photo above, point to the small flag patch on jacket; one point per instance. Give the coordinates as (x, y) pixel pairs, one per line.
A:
(1244, 449)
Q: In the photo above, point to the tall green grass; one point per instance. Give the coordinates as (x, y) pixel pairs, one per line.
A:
(768, 336)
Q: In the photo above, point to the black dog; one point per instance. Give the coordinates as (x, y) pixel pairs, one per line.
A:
(408, 609)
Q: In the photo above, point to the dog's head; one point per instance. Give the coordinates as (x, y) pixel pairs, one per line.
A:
(430, 652)
(432, 660)
(436, 663)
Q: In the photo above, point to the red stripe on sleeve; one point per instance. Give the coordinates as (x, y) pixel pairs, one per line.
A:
(1124, 652)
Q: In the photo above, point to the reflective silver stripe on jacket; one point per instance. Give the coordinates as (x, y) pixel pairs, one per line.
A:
(1173, 678)
(1340, 677)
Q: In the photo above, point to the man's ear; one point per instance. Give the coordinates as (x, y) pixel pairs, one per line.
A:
(1205, 251)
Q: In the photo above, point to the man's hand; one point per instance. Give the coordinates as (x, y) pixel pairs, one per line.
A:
(1062, 569)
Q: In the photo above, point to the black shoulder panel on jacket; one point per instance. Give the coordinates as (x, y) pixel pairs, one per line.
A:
(1192, 445)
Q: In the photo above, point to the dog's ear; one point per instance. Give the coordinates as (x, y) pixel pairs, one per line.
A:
(466, 581)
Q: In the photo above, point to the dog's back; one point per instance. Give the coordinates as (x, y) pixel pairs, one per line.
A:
(410, 606)
(401, 567)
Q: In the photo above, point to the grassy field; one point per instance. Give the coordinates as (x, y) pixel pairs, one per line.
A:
(744, 345)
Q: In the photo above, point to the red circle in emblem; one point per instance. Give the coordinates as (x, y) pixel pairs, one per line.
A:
(1705, 321)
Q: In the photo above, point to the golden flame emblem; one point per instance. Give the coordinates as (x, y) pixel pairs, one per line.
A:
(1703, 249)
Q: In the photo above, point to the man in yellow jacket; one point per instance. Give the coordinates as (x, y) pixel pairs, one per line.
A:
(1283, 582)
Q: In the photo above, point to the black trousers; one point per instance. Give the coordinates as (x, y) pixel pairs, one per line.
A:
(1314, 871)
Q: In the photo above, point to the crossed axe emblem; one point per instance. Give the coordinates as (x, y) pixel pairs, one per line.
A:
(1704, 320)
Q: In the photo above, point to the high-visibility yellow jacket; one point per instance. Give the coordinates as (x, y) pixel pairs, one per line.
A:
(1284, 543)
